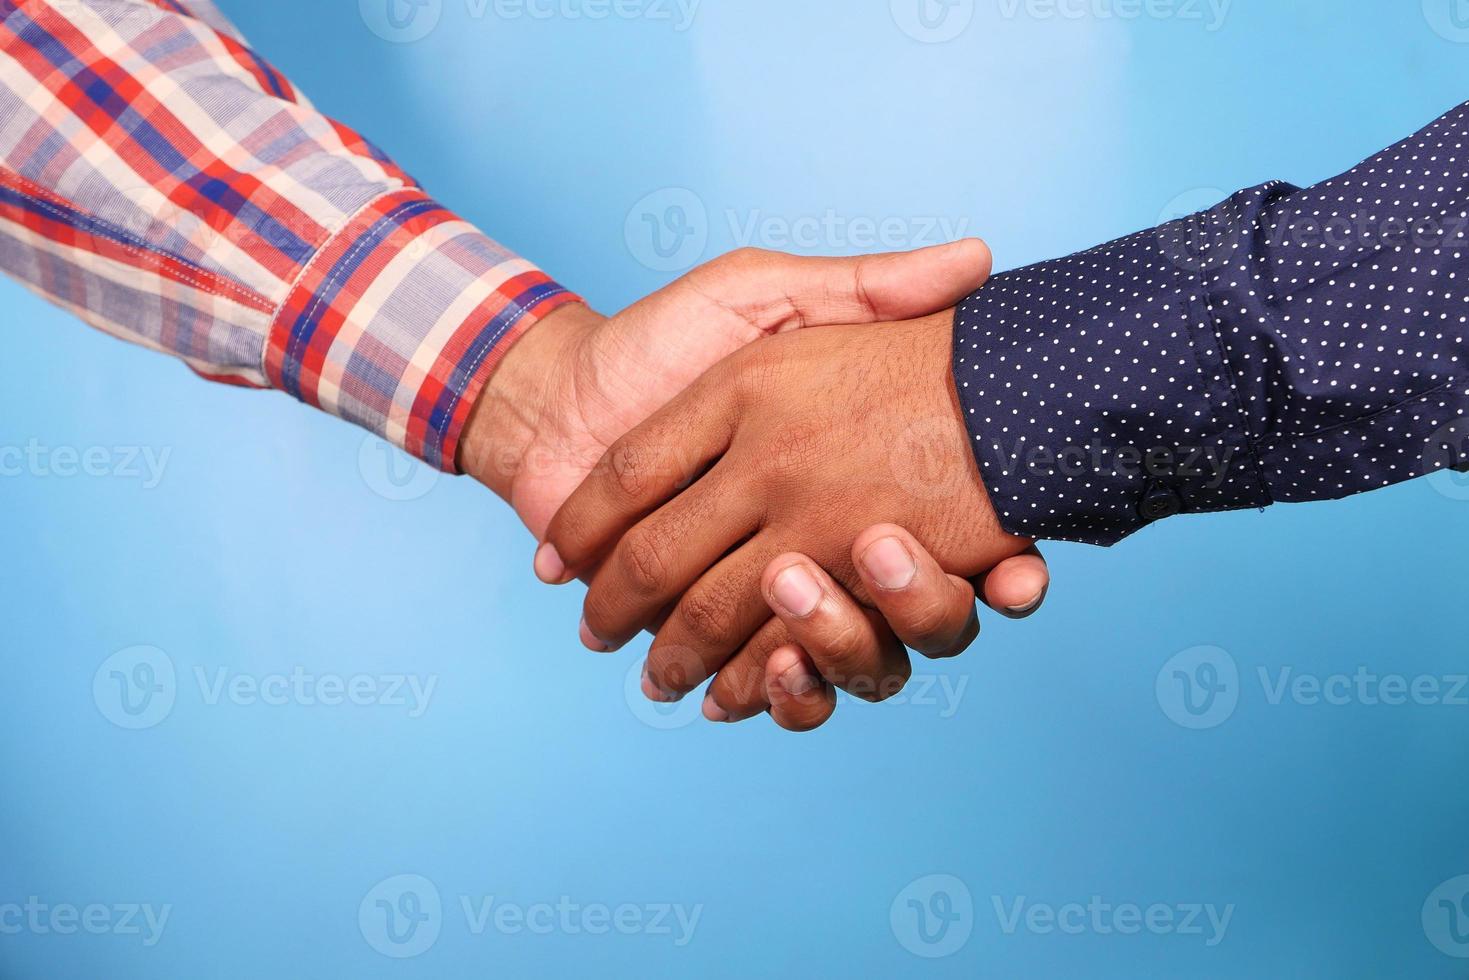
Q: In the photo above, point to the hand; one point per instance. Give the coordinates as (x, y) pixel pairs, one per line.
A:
(577, 381)
(808, 439)
(925, 609)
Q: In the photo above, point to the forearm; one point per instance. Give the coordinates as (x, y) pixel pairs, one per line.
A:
(163, 182)
(1288, 345)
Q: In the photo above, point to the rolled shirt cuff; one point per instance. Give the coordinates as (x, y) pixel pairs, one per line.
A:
(399, 320)
(1096, 391)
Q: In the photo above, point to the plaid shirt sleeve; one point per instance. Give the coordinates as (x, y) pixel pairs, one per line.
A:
(162, 181)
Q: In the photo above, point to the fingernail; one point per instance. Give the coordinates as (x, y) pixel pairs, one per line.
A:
(1020, 612)
(713, 711)
(592, 641)
(890, 564)
(797, 680)
(797, 591)
(549, 566)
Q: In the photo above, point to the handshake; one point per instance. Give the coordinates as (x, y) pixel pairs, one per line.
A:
(765, 465)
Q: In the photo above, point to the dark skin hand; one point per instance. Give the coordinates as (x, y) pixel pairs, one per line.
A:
(795, 446)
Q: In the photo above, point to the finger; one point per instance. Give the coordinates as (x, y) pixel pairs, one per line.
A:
(657, 561)
(1017, 587)
(715, 617)
(639, 472)
(930, 611)
(799, 699)
(849, 646)
(774, 292)
(737, 692)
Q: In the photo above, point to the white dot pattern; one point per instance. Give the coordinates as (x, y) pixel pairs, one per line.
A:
(1287, 345)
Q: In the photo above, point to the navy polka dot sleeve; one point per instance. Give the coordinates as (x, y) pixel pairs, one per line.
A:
(1288, 345)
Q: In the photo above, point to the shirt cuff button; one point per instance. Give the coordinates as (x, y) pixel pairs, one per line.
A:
(1159, 502)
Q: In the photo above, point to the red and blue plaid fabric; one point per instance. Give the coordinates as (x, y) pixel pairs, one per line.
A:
(162, 181)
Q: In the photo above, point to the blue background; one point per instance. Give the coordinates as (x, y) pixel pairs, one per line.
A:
(1059, 775)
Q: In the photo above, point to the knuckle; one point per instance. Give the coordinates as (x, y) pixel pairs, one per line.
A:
(796, 444)
(644, 565)
(705, 616)
(745, 258)
(630, 465)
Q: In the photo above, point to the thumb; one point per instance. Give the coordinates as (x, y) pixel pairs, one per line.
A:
(775, 292)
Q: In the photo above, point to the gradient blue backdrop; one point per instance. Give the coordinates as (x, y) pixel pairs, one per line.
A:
(1061, 772)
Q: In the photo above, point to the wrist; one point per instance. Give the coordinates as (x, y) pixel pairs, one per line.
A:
(523, 397)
